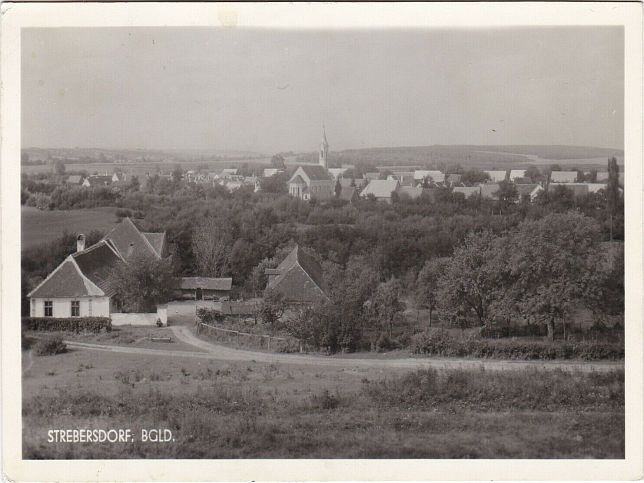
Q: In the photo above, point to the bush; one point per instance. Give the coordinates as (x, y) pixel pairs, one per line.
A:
(75, 324)
(209, 316)
(50, 346)
(439, 343)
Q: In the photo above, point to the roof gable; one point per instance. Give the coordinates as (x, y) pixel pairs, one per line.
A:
(300, 277)
(157, 240)
(96, 263)
(65, 281)
(129, 241)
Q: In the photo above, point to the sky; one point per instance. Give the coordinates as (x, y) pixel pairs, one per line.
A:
(271, 90)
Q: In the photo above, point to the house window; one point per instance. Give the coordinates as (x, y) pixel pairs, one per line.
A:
(90, 307)
(75, 308)
(49, 308)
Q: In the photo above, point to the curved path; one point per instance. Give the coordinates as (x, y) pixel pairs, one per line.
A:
(222, 353)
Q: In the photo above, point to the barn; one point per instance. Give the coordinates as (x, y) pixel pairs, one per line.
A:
(205, 288)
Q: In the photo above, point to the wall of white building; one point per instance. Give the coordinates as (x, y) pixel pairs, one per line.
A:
(62, 306)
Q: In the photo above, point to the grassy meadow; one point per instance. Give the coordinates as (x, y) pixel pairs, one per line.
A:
(255, 410)
(40, 227)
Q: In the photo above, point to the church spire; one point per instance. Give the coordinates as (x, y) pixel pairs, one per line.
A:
(324, 149)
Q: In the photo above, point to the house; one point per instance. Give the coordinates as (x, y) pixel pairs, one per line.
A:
(229, 172)
(80, 286)
(453, 178)
(535, 193)
(516, 173)
(311, 181)
(268, 172)
(116, 177)
(74, 179)
(496, 176)
(298, 279)
(433, 175)
(467, 191)
(96, 181)
(381, 189)
(205, 288)
(563, 176)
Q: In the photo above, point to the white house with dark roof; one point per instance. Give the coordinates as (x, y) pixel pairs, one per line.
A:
(80, 286)
(516, 174)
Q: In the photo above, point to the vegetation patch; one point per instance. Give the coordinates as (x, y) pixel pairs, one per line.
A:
(50, 346)
(71, 324)
(440, 343)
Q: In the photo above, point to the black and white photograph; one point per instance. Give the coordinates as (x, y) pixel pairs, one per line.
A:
(247, 241)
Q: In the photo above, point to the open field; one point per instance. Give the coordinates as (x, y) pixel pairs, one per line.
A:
(250, 409)
(45, 226)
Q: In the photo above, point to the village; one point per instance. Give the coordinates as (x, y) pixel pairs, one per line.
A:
(332, 243)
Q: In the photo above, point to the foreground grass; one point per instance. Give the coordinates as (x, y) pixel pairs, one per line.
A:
(241, 410)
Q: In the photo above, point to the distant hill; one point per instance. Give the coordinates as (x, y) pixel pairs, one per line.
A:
(488, 157)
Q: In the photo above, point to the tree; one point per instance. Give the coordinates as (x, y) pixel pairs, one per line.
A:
(338, 188)
(59, 167)
(550, 267)
(277, 161)
(612, 192)
(534, 174)
(272, 307)
(142, 283)
(427, 284)
(474, 176)
(212, 243)
(386, 305)
(474, 278)
(177, 174)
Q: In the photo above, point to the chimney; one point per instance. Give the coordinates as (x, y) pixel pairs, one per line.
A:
(80, 243)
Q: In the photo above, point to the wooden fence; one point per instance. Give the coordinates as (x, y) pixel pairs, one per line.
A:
(257, 341)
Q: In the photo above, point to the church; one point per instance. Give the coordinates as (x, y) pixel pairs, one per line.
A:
(313, 181)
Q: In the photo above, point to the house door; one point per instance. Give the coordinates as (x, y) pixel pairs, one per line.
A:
(198, 294)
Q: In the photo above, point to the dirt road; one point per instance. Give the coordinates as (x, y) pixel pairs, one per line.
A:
(218, 352)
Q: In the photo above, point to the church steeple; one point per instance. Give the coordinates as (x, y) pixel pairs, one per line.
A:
(324, 150)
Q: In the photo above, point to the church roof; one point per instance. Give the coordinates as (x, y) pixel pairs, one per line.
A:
(315, 172)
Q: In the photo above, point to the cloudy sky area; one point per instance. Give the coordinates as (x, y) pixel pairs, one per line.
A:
(269, 91)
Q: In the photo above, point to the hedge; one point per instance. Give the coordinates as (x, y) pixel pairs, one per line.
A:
(75, 324)
(441, 344)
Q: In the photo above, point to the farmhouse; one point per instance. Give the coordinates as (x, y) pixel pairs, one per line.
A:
(432, 175)
(80, 286)
(298, 278)
(205, 288)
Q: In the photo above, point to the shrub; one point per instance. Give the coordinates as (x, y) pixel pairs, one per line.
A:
(439, 343)
(26, 342)
(209, 316)
(76, 324)
(50, 346)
